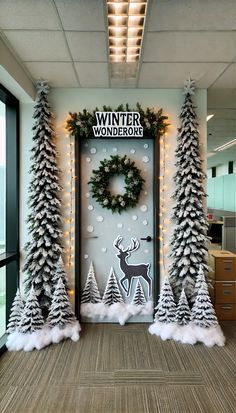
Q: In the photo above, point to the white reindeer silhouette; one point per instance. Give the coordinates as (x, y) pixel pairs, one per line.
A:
(131, 270)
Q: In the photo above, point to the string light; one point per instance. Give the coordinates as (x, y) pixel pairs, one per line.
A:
(163, 188)
(69, 221)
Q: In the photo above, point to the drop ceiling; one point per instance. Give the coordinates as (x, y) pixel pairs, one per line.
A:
(66, 43)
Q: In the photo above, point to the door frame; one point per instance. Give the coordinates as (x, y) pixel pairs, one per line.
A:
(156, 219)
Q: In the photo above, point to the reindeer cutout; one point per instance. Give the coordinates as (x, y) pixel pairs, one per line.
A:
(131, 270)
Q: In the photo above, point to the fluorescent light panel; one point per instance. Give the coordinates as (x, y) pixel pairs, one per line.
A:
(226, 145)
(125, 29)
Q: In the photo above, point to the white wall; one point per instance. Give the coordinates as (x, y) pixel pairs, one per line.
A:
(65, 100)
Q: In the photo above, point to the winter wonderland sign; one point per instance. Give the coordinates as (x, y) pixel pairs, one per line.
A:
(118, 124)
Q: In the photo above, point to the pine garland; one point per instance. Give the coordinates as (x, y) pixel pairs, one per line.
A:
(44, 220)
(81, 124)
(189, 240)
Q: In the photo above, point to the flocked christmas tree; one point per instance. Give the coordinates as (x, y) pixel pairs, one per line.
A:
(203, 313)
(32, 319)
(44, 246)
(16, 313)
(198, 283)
(183, 313)
(112, 292)
(139, 297)
(59, 273)
(189, 240)
(60, 312)
(166, 308)
(91, 293)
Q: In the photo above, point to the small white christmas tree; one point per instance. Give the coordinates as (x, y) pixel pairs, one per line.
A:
(60, 273)
(184, 331)
(183, 313)
(16, 313)
(60, 313)
(91, 293)
(165, 324)
(203, 313)
(139, 297)
(32, 319)
(166, 307)
(112, 292)
(204, 320)
(31, 331)
(61, 319)
(198, 283)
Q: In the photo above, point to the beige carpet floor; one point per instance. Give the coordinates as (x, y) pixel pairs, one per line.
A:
(114, 369)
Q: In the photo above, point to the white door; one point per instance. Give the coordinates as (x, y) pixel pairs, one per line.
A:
(122, 241)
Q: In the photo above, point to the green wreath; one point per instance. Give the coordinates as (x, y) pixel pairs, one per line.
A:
(101, 178)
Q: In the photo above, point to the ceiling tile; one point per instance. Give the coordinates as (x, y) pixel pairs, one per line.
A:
(28, 14)
(58, 74)
(39, 45)
(81, 14)
(87, 46)
(192, 15)
(173, 75)
(189, 47)
(92, 74)
(227, 79)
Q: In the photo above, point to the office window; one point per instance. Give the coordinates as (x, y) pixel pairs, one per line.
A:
(9, 209)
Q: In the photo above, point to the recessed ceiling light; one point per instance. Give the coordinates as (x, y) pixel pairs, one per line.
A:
(209, 117)
(126, 21)
(226, 145)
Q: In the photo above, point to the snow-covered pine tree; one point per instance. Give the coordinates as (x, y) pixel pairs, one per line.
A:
(32, 319)
(139, 297)
(44, 220)
(91, 293)
(60, 273)
(198, 283)
(189, 240)
(112, 292)
(183, 313)
(203, 313)
(60, 312)
(16, 313)
(166, 307)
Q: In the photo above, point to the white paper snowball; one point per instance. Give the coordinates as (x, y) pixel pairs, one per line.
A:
(145, 159)
(93, 150)
(86, 256)
(104, 249)
(134, 217)
(100, 218)
(146, 251)
(90, 228)
(119, 225)
(145, 222)
(104, 150)
(146, 146)
(132, 150)
(88, 160)
(114, 149)
(87, 195)
(90, 207)
(143, 208)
